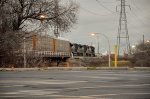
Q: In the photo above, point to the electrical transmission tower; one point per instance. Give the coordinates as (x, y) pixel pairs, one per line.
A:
(123, 36)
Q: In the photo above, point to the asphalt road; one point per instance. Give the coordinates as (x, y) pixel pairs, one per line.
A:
(63, 84)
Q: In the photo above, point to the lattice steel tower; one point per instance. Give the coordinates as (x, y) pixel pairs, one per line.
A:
(123, 36)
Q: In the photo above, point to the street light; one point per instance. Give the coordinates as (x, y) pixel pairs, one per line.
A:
(148, 41)
(42, 17)
(97, 34)
(133, 49)
(133, 46)
(94, 34)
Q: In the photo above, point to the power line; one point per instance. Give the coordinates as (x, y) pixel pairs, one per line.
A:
(91, 12)
(136, 16)
(139, 19)
(97, 14)
(138, 8)
(101, 4)
(107, 1)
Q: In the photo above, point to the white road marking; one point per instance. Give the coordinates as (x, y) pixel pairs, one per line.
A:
(118, 94)
(100, 77)
(11, 86)
(123, 74)
(31, 92)
(37, 82)
(110, 86)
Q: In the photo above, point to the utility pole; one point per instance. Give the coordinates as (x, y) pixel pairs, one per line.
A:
(143, 41)
(98, 45)
(56, 27)
(24, 52)
(123, 36)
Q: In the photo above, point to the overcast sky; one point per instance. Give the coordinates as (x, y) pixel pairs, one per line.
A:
(102, 17)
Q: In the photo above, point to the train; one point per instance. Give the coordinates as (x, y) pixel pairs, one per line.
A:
(82, 50)
(54, 49)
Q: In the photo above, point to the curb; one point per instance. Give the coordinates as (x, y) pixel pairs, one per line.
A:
(76, 68)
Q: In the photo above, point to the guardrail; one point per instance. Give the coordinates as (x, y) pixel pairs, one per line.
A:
(44, 53)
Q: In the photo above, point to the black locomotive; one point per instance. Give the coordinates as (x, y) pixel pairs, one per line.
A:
(82, 50)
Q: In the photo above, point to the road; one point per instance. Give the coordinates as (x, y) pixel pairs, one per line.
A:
(65, 84)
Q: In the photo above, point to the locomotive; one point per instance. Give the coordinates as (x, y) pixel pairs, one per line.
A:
(82, 50)
(47, 47)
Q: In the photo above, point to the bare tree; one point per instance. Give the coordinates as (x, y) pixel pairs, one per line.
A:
(10, 42)
(16, 13)
(141, 55)
(61, 15)
(65, 16)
